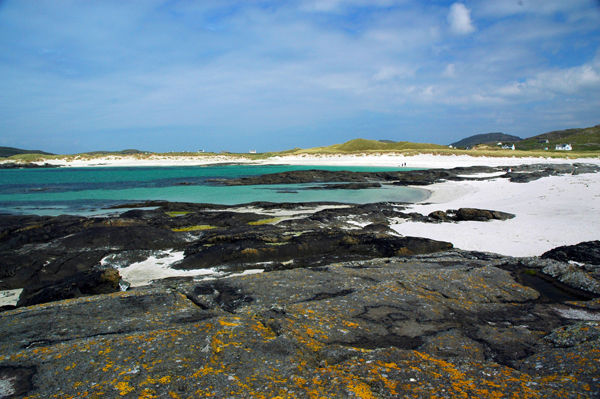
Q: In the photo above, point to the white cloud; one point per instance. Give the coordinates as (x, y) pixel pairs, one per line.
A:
(502, 8)
(459, 19)
(278, 69)
(544, 84)
(567, 81)
(449, 71)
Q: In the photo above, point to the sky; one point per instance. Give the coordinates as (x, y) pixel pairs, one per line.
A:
(222, 75)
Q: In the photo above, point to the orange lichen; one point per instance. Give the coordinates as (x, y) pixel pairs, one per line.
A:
(124, 388)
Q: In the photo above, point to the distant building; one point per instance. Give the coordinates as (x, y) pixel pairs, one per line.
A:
(252, 151)
(564, 147)
(508, 147)
(544, 141)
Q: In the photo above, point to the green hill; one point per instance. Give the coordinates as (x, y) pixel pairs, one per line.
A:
(364, 145)
(485, 138)
(10, 151)
(585, 139)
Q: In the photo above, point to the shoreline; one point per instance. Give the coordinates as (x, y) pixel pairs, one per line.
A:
(550, 212)
(375, 160)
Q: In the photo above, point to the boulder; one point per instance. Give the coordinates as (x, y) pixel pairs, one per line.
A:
(585, 252)
(481, 215)
(84, 283)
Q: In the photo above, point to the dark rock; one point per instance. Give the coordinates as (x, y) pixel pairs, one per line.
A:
(15, 381)
(80, 284)
(481, 215)
(518, 173)
(28, 165)
(310, 248)
(219, 293)
(124, 238)
(439, 215)
(378, 228)
(585, 252)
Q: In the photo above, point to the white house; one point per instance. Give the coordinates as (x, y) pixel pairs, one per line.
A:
(508, 147)
(564, 147)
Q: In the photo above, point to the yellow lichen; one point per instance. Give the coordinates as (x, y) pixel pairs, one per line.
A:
(197, 227)
(176, 213)
(264, 221)
(124, 388)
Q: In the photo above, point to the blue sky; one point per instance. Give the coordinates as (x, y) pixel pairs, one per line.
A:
(271, 75)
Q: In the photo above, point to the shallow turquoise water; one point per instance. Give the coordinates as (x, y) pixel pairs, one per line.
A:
(89, 190)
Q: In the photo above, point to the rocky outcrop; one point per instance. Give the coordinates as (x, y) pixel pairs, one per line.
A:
(85, 283)
(585, 252)
(277, 250)
(54, 258)
(469, 214)
(450, 324)
(25, 165)
(517, 174)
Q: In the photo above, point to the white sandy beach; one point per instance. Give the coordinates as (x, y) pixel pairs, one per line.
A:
(550, 212)
(384, 160)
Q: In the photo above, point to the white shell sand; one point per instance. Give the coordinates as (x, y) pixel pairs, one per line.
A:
(10, 297)
(158, 266)
(550, 212)
(385, 160)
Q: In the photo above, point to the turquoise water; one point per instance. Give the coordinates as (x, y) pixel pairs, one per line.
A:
(90, 190)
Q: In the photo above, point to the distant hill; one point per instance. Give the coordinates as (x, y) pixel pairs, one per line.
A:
(364, 145)
(584, 139)
(485, 138)
(10, 151)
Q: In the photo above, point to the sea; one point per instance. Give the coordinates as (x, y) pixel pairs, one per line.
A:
(94, 190)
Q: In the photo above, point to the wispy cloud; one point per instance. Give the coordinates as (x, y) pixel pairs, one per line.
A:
(271, 75)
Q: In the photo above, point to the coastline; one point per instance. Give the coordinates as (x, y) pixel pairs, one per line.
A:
(550, 212)
(382, 160)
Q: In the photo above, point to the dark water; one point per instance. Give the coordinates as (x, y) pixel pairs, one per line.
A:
(89, 190)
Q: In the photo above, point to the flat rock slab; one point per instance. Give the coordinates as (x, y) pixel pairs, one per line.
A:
(444, 325)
